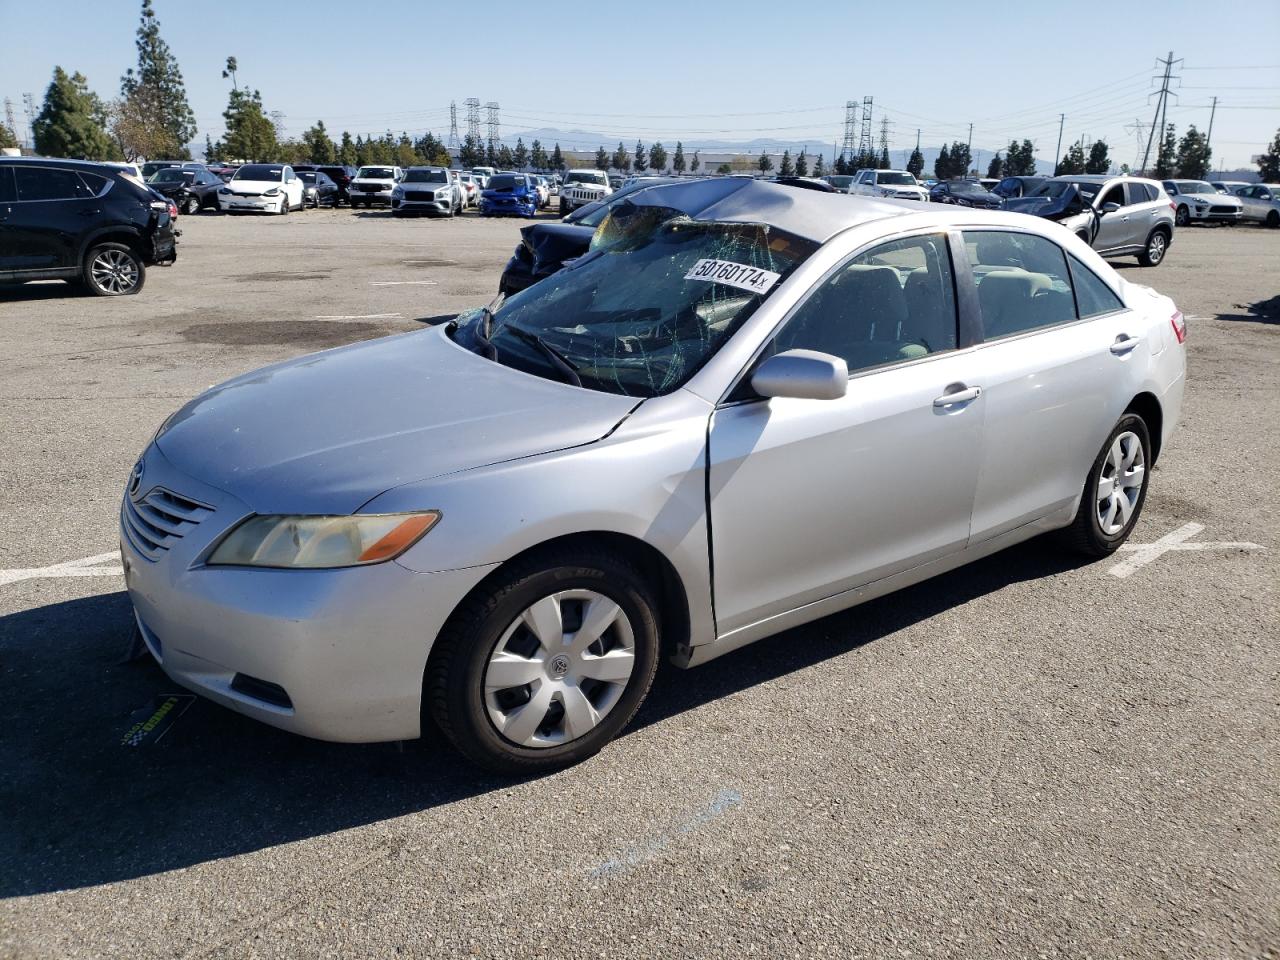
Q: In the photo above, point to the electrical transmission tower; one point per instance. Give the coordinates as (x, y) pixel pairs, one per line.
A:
(884, 141)
(865, 145)
(453, 125)
(1162, 106)
(8, 116)
(29, 107)
(277, 121)
(473, 118)
(850, 129)
(1139, 131)
(491, 120)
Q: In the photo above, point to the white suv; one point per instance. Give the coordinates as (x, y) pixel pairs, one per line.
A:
(582, 187)
(373, 184)
(896, 184)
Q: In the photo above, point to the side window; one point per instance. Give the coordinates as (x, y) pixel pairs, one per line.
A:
(1114, 195)
(35, 183)
(1140, 193)
(1093, 297)
(95, 184)
(7, 192)
(894, 302)
(1022, 279)
(1171, 188)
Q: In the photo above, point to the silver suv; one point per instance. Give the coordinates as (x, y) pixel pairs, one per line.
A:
(1117, 216)
(1261, 202)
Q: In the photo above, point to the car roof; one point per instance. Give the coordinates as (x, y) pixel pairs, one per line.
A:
(811, 214)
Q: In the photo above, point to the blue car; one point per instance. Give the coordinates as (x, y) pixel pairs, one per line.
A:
(509, 194)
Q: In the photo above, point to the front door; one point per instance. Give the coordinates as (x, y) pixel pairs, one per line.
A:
(1114, 230)
(810, 498)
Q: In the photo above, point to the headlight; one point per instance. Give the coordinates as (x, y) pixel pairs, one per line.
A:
(442, 194)
(397, 192)
(273, 192)
(314, 542)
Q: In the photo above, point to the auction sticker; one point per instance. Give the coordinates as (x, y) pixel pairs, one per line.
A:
(738, 275)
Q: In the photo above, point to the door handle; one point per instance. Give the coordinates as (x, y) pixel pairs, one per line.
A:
(961, 394)
(1124, 343)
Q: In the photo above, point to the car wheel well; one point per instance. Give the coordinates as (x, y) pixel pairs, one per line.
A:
(1148, 408)
(130, 240)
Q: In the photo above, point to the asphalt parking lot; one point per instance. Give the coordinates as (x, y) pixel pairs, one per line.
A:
(1027, 757)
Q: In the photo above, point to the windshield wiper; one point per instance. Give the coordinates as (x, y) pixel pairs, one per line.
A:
(484, 328)
(558, 360)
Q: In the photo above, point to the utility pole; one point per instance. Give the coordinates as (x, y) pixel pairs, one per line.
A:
(1057, 153)
(1157, 122)
(917, 139)
(1208, 137)
(968, 147)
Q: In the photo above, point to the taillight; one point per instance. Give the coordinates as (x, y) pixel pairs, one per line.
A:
(1173, 206)
(1179, 326)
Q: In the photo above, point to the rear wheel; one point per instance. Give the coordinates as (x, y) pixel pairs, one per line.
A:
(191, 205)
(1114, 492)
(1157, 246)
(545, 666)
(113, 270)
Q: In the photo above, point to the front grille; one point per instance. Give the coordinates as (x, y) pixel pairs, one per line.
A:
(244, 193)
(1224, 209)
(420, 195)
(153, 523)
(371, 187)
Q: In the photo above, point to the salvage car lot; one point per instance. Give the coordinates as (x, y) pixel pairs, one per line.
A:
(1024, 756)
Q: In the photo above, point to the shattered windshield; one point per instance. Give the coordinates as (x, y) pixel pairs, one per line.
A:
(654, 298)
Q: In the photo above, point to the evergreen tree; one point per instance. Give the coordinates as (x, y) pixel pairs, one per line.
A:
(658, 157)
(818, 165)
(1020, 159)
(320, 149)
(621, 159)
(883, 162)
(69, 124)
(603, 158)
(210, 149)
(8, 138)
(1167, 157)
(362, 151)
(250, 137)
(471, 154)
(538, 156)
(995, 167)
(724, 170)
(1073, 161)
(786, 168)
(641, 162)
(1193, 155)
(695, 163)
(1269, 161)
(915, 165)
(764, 164)
(557, 159)
(490, 155)
(677, 161)
(404, 153)
(1098, 161)
(961, 160)
(841, 168)
(942, 165)
(505, 160)
(156, 94)
(802, 164)
(520, 156)
(347, 150)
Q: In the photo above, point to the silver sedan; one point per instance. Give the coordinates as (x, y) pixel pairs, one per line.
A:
(746, 407)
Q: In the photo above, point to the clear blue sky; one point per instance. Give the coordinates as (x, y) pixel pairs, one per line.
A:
(667, 71)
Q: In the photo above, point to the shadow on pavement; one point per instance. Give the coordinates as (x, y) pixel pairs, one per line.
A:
(1263, 311)
(79, 809)
(40, 290)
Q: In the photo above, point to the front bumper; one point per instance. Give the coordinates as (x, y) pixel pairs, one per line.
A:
(382, 196)
(346, 647)
(512, 208)
(517, 276)
(259, 204)
(1207, 215)
(435, 207)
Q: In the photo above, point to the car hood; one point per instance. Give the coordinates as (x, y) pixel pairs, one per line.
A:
(553, 243)
(325, 433)
(253, 186)
(1211, 198)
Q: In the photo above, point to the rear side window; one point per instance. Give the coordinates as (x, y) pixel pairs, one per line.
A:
(1023, 282)
(38, 183)
(1093, 297)
(7, 192)
(95, 184)
(1141, 193)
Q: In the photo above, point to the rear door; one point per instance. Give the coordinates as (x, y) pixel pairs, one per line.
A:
(1145, 210)
(54, 209)
(9, 247)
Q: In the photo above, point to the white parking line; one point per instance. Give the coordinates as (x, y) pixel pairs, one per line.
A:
(87, 567)
(1144, 553)
(402, 283)
(361, 316)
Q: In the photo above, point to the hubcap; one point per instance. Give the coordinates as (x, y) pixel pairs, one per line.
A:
(559, 669)
(1157, 248)
(114, 271)
(1120, 483)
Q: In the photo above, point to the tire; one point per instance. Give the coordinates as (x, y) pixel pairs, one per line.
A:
(191, 205)
(1182, 217)
(1273, 219)
(113, 270)
(1153, 253)
(1095, 532)
(494, 627)
(284, 207)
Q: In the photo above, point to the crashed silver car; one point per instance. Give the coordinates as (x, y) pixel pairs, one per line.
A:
(746, 406)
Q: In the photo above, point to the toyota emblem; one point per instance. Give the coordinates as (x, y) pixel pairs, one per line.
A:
(135, 478)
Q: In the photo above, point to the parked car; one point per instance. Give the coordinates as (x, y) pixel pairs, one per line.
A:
(262, 188)
(509, 194)
(841, 181)
(81, 222)
(896, 184)
(582, 187)
(515, 512)
(1118, 216)
(1010, 188)
(1228, 187)
(964, 193)
(192, 190)
(617, 181)
(1261, 203)
(483, 174)
(318, 188)
(341, 175)
(544, 191)
(427, 190)
(1198, 201)
(373, 185)
(470, 184)
(151, 167)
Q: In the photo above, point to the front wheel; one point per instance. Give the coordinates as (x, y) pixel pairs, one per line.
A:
(1182, 217)
(1114, 491)
(284, 207)
(1153, 253)
(113, 270)
(546, 665)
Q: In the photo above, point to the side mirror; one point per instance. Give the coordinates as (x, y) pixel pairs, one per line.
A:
(803, 375)
(1109, 208)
